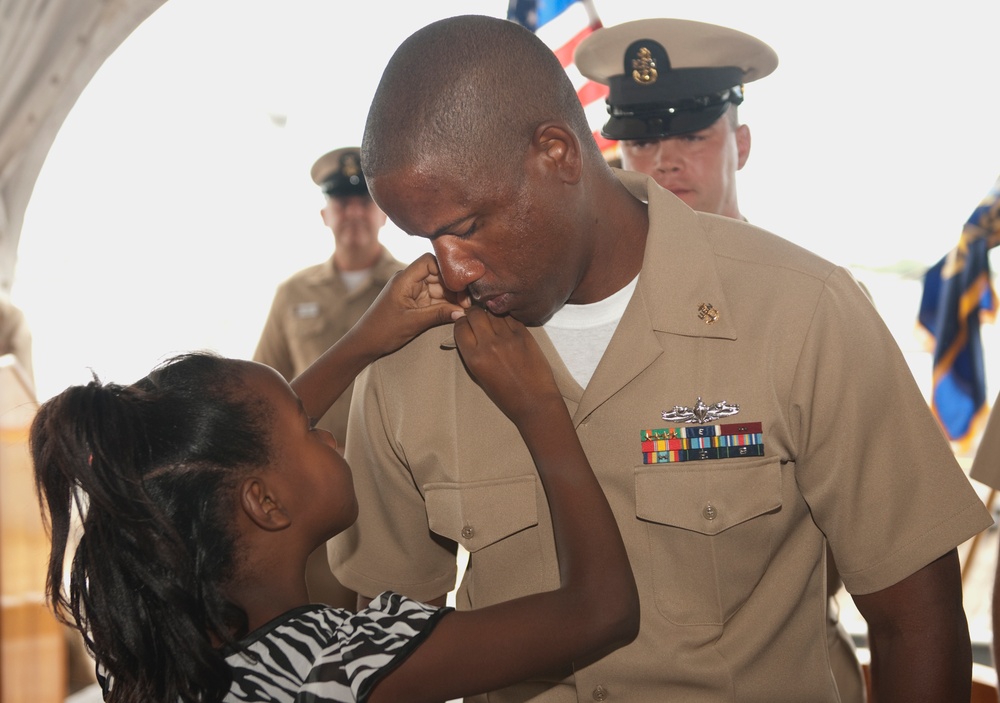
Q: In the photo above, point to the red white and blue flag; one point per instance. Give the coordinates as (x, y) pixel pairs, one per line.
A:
(562, 25)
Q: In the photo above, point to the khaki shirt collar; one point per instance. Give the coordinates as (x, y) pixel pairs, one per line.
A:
(679, 273)
(385, 267)
(382, 270)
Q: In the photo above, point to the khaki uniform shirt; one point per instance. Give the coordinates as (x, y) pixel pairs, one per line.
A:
(729, 554)
(310, 312)
(986, 464)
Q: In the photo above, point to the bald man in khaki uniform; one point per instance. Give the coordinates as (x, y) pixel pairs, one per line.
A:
(729, 553)
(318, 305)
(740, 400)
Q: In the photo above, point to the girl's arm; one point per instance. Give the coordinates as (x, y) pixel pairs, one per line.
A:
(595, 609)
(412, 301)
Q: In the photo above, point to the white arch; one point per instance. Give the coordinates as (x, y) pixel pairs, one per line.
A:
(49, 51)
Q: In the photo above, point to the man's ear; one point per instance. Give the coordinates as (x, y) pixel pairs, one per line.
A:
(262, 506)
(742, 146)
(558, 148)
(324, 214)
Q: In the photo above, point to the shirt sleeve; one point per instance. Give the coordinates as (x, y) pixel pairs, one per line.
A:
(986, 464)
(368, 647)
(272, 347)
(872, 462)
(389, 547)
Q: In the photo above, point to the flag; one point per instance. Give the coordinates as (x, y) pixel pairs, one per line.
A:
(958, 296)
(562, 24)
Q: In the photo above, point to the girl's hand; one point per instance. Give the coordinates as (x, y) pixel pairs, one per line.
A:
(414, 300)
(508, 364)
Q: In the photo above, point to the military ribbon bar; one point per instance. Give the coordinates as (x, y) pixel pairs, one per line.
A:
(697, 443)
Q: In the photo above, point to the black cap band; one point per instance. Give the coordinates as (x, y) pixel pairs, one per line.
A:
(664, 119)
(340, 184)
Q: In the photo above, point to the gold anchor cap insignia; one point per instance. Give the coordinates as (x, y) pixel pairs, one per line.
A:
(644, 67)
(708, 313)
(350, 166)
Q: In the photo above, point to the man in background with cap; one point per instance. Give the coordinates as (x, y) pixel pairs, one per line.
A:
(318, 305)
(675, 87)
(677, 120)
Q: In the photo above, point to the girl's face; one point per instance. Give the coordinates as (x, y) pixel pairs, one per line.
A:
(311, 477)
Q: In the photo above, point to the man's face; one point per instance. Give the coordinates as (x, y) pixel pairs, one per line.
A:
(510, 246)
(355, 221)
(699, 168)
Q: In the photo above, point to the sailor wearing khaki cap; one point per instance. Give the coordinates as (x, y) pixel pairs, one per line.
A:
(338, 172)
(671, 82)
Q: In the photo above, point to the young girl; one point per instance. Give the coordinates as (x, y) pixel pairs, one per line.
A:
(204, 487)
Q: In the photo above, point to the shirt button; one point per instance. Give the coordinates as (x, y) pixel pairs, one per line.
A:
(709, 512)
(600, 694)
(468, 532)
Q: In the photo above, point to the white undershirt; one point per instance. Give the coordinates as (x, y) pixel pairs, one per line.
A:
(581, 333)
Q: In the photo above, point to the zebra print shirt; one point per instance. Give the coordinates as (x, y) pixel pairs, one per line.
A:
(321, 654)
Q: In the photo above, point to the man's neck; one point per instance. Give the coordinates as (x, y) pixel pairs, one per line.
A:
(347, 262)
(617, 255)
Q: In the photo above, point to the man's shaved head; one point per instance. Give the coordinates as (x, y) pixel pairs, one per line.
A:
(471, 90)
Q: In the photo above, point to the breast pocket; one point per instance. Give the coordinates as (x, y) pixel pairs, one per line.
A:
(711, 529)
(310, 325)
(496, 521)
(309, 337)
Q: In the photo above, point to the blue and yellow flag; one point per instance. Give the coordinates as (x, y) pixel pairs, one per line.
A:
(958, 296)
